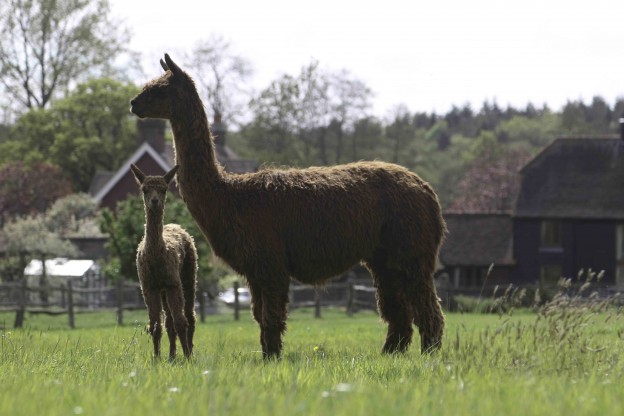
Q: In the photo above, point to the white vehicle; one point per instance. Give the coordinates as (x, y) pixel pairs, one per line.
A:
(244, 297)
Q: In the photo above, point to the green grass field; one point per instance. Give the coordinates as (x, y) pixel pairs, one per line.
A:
(565, 362)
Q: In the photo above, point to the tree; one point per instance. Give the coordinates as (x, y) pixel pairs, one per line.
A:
(299, 120)
(314, 112)
(125, 230)
(30, 238)
(400, 132)
(27, 190)
(492, 181)
(46, 45)
(272, 132)
(366, 140)
(531, 133)
(72, 215)
(350, 102)
(94, 125)
(91, 124)
(221, 74)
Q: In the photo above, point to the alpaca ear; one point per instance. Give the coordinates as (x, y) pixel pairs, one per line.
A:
(164, 65)
(172, 66)
(138, 175)
(169, 175)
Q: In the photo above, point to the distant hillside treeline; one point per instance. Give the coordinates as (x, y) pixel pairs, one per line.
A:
(462, 152)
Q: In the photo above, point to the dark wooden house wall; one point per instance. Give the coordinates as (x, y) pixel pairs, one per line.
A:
(585, 244)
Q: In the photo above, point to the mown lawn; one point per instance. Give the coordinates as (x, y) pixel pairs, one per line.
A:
(564, 362)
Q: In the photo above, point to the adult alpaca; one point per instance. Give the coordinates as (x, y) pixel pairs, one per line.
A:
(309, 224)
(167, 267)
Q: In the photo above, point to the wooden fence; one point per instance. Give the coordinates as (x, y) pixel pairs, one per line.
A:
(350, 295)
(70, 300)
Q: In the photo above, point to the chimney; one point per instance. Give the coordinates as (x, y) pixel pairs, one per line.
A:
(218, 130)
(152, 130)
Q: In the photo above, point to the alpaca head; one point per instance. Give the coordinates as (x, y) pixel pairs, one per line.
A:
(160, 96)
(154, 188)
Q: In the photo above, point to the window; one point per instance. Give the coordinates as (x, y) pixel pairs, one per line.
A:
(619, 255)
(469, 277)
(550, 234)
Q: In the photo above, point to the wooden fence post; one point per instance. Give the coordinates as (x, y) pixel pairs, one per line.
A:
(120, 285)
(70, 305)
(236, 303)
(317, 304)
(21, 304)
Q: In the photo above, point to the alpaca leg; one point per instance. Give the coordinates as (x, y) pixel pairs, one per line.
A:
(189, 311)
(175, 301)
(428, 315)
(274, 313)
(256, 309)
(189, 281)
(171, 332)
(154, 311)
(395, 310)
(393, 305)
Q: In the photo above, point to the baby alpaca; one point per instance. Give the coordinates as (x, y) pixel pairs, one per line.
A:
(167, 267)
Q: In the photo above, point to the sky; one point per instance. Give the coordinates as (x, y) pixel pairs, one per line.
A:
(425, 55)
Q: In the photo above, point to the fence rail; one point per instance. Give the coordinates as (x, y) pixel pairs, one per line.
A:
(68, 299)
(350, 295)
(123, 296)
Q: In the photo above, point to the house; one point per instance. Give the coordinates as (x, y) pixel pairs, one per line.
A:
(477, 251)
(569, 213)
(568, 216)
(155, 156)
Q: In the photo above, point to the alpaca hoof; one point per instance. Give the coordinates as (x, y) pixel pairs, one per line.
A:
(430, 346)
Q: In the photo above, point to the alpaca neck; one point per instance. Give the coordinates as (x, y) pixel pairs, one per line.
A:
(200, 176)
(154, 240)
(194, 145)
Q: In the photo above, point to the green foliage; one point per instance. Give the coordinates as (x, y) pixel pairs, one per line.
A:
(33, 235)
(533, 133)
(73, 215)
(44, 235)
(303, 120)
(125, 228)
(89, 130)
(30, 238)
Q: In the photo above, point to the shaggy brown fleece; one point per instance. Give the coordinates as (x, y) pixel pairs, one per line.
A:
(167, 267)
(308, 224)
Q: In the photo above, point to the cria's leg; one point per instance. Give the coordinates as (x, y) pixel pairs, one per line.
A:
(175, 301)
(171, 333)
(393, 305)
(154, 311)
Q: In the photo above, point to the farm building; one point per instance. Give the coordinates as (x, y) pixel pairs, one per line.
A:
(58, 272)
(155, 156)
